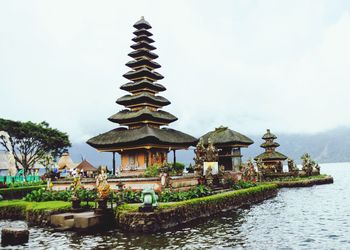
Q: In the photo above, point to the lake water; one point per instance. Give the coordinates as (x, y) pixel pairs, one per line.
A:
(302, 218)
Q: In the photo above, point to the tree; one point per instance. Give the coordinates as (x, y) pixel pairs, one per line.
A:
(31, 142)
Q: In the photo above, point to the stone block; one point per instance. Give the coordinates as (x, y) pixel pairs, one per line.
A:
(85, 221)
(57, 220)
(14, 236)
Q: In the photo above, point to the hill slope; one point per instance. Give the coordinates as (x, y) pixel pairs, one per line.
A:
(330, 146)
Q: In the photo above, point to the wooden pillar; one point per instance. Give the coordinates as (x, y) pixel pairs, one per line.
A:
(174, 151)
(147, 158)
(114, 163)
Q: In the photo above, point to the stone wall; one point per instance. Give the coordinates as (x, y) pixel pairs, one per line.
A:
(136, 183)
(33, 217)
(191, 210)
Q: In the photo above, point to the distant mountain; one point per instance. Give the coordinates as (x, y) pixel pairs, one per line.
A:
(329, 146)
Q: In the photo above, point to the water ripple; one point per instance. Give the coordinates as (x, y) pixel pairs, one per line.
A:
(301, 218)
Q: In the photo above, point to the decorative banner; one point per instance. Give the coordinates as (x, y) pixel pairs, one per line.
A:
(214, 167)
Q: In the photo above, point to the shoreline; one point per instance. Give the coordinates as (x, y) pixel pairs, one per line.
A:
(179, 213)
(167, 215)
(304, 183)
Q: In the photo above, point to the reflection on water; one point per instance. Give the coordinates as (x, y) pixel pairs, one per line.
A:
(302, 218)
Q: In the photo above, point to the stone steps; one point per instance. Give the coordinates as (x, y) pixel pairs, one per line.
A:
(80, 221)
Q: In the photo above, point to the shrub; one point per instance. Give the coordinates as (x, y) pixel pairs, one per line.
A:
(18, 192)
(200, 191)
(25, 184)
(178, 167)
(152, 171)
(130, 196)
(243, 184)
(44, 195)
(190, 169)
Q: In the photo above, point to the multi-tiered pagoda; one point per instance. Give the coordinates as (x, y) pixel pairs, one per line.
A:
(271, 157)
(141, 141)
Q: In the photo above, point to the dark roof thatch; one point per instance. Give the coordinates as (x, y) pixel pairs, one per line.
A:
(142, 99)
(86, 166)
(143, 53)
(144, 84)
(268, 135)
(143, 45)
(142, 32)
(270, 145)
(271, 156)
(119, 138)
(142, 62)
(128, 116)
(223, 136)
(143, 38)
(142, 24)
(143, 72)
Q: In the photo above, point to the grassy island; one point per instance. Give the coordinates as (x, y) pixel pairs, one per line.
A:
(306, 181)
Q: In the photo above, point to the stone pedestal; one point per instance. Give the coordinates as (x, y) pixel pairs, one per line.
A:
(14, 236)
(76, 204)
(102, 207)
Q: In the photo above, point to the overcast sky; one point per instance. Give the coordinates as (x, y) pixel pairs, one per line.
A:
(249, 65)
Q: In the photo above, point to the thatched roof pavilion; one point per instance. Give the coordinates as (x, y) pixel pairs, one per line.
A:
(229, 143)
(86, 166)
(65, 162)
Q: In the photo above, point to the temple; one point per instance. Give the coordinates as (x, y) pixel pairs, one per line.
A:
(271, 158)
(142, 141)
(229, 144)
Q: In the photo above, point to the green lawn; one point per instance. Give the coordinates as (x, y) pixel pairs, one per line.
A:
(38, 206)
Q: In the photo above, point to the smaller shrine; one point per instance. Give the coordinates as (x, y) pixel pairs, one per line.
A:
(229, 144)
(271, 159)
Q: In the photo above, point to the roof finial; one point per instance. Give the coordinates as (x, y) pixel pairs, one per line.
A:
(142, 18)
(268, 130)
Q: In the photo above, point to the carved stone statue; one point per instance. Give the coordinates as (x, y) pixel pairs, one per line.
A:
(307, 163)
(248, 171)
(279, 167)
(292, 167)
(212, 154)
(74, 187)
(261, 166)
(209, 176)
(200, 153)
(221, 175)
(103, 188)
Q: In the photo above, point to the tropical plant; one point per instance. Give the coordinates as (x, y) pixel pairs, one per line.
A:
(169, 196)
(243, 184)
(41, 195)
(152, 171)
(130, 196)
(178, 167)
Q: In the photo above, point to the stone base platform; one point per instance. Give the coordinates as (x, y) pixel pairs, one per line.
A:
(82, 221)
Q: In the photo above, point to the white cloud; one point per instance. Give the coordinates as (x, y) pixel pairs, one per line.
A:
(246, 64)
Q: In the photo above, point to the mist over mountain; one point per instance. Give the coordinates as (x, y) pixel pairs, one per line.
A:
(329, 146)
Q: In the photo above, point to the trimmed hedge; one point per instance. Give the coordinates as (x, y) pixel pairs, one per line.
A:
(173, 214)
(18, 192)
(221, 197)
